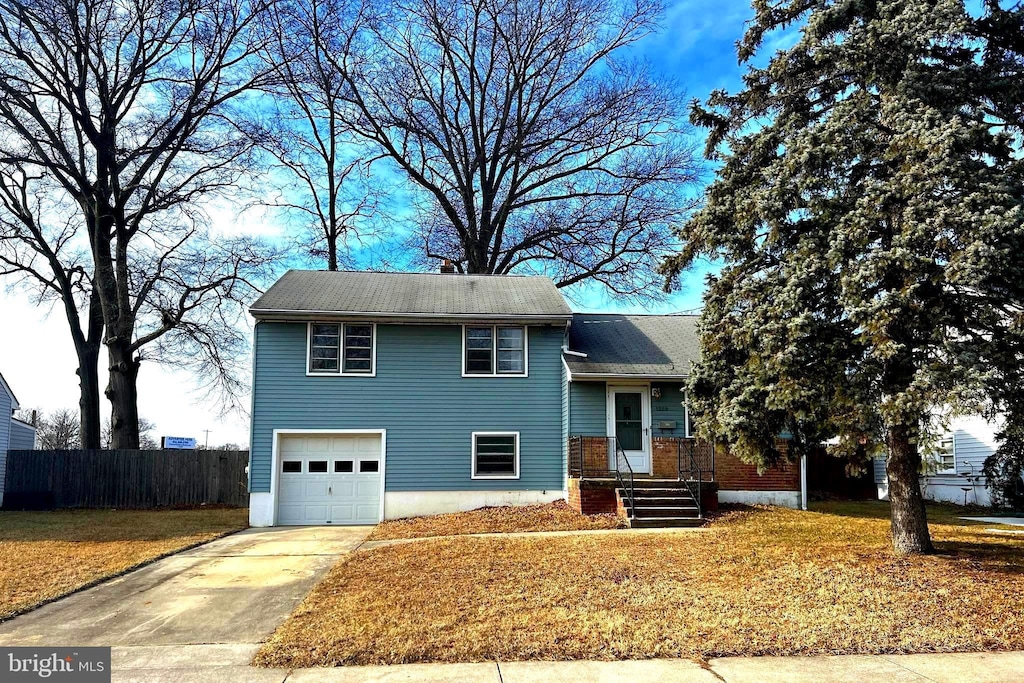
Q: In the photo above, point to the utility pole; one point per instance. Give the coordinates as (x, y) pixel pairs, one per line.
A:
(207, 445)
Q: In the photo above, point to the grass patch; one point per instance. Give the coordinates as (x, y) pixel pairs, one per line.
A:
(758, 581)
(44, 555)
(557, 516)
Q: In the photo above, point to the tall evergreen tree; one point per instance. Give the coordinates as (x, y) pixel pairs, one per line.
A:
(868, 210)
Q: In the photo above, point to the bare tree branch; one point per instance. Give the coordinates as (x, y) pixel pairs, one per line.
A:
(537, 145)
(125, 110)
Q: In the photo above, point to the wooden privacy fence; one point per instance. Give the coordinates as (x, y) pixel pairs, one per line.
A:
(125, 479)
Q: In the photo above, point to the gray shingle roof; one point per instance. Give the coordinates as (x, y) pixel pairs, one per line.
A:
(400, 295)
(641, 345)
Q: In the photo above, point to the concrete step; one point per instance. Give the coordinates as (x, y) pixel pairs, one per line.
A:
(665, 510)
(661, 493)
(662, 501)
(667, 487)
(664, 522)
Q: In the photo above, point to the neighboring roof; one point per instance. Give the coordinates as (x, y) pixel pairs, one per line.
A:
(6, 387)
(28, 425)
(641, 346)
(307, 293)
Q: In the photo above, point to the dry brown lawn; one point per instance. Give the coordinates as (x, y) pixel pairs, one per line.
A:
(761, 581)
(44, 555)
(557, 516)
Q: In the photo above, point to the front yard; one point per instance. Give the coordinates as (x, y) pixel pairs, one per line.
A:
(557, 516)
(44, 555)
(762, 581)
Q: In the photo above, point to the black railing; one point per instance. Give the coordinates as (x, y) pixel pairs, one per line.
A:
(601, 457)
(623, 472)
(690, 471)
(693, 455)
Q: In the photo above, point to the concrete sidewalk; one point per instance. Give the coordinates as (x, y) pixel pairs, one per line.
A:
(221, 663)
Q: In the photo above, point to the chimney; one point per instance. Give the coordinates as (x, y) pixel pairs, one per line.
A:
(447, 268)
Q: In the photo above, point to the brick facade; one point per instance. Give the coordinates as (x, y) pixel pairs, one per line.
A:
(667, 460)
(733, 475)
(591, 499)
(729, 474)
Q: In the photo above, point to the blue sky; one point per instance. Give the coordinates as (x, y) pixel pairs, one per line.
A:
(696, 48)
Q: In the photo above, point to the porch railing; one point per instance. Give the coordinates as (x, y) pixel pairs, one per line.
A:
(588, 460)
(623, 472)
(690, 469)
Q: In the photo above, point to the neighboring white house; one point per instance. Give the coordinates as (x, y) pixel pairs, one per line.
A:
(8, 404)
(14, 434)
(23, 436)
(954, 470)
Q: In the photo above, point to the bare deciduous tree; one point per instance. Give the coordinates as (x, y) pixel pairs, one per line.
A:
(57, 431)
(538, 145)
(146, 439)
(328, 192)
(122, 107)
(40, 246)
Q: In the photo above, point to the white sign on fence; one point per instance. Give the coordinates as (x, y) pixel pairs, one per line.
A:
(178, 442)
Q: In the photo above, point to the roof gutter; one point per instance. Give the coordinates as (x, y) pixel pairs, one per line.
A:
(381, 315)
(607, 375)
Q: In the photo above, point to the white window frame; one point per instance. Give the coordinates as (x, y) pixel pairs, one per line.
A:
(472, 447)
(494, 351)
(938, 458)
(341, 349)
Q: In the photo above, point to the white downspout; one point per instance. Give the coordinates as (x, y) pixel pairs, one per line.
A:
(803, 482)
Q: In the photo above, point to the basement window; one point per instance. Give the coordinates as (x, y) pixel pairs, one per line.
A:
(495, 455)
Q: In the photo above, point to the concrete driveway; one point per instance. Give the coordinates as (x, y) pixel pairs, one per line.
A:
(234, 590)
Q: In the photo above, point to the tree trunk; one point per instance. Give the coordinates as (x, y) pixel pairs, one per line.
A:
(909, 519)
(89, 398)
(122, 392)
(332, 252)
(89, 376)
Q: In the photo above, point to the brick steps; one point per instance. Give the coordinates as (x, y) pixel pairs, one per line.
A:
(659, 503)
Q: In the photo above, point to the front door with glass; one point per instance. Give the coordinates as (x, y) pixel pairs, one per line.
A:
(629, 422)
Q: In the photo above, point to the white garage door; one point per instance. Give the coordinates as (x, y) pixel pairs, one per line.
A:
(329, 479)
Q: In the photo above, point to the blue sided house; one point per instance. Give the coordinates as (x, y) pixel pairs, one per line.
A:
(389, 395)
(14, 434)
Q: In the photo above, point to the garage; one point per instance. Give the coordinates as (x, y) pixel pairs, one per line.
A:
(329, 479)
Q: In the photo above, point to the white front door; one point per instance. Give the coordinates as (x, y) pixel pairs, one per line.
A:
(329, 479)
(629, 418)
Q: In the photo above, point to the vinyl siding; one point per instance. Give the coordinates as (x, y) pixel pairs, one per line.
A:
(23, 437)
(668, 407)
(5, 433)
(587, 405)
(974, 439)
(420, 397)
(878, 466)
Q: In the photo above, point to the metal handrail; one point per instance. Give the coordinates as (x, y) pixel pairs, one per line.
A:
(627, 485)
(695, 463)
(694, 485)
